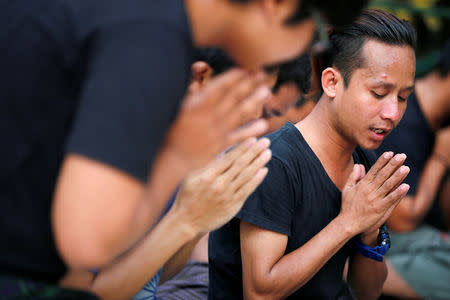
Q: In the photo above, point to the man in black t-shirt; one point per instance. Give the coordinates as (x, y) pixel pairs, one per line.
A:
(292, 237)
(419, 261)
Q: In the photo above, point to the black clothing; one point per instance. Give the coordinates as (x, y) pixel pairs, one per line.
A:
(103, 79)
(298, 199)
(414, 137)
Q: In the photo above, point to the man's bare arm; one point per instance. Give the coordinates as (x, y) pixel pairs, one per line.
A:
(366, 204)
(99, 211)
(267, 274)
(367, 276)
(207, 199)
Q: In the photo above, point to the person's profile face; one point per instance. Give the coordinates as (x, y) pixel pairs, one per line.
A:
(374, 101)
(265, 39)
(281, 100)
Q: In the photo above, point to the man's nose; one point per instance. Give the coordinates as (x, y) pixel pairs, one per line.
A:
(391, 110)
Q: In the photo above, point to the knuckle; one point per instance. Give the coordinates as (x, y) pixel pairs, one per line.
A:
(222, 200)
(246, 112)
(240, 163)
(246, 174)
(364, 190)
(243, 89)
(217, 188)
(205, 180)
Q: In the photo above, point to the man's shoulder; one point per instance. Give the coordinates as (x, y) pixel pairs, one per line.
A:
(117, 13)
(287, 143)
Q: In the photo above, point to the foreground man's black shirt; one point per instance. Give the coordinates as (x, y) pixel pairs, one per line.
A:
(100, 78)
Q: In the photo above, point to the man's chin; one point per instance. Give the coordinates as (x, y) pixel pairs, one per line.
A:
(370, 145)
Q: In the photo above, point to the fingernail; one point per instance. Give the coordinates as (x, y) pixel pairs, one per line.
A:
(404, 187)
(266, 154)
(262, 172)
(263, 126)
(263, 92)
(400, 157)
(251, 141)
(264, 143)
(388, 154)
(404, 169)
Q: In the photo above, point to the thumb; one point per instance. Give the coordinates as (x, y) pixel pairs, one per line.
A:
(356, 175)
(362, 172)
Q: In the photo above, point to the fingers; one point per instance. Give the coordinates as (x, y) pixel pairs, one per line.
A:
(393, 181)
(226, 161)
(356, 175)
(246, 166)
(255, 128)
(392, 200)
(250, 108)
(242, 90)
(217, 89)
(248, 188)
(395, 197)
(384, 173)
(248, 173)
(379, 164)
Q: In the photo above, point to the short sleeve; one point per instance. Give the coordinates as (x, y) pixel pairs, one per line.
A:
(272, 204)
(136, 77)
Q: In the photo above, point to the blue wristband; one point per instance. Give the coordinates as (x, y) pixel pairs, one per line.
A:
(376, 252)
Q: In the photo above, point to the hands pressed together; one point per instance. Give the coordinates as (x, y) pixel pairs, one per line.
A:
(369, 199)
(211, 196)
(222, 113)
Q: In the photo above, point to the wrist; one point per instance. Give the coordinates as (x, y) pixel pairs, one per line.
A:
(181, 219)
(379, 250)
(345, 226)
(369, 238)
(176, 157)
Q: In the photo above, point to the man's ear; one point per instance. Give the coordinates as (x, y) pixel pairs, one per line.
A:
(330, 80)
(201, 72)
(279, 10)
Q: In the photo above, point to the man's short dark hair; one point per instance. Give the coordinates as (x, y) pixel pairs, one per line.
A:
(218, 59)
(297, 71)
(345, 44)
(336, 13)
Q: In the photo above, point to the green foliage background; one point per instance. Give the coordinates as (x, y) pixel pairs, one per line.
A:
(431, 18)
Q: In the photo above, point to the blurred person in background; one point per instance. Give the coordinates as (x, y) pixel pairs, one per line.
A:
(419, 261)
(286, 81)
(297, 104)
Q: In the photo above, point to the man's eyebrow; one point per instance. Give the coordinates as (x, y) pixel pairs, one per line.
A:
(384, 84)
(410, 88)
(387, 85)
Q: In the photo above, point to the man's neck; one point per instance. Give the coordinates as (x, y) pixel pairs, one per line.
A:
(332, 149)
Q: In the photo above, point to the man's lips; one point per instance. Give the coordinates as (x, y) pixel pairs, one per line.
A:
(379, 133)
(379, 130)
